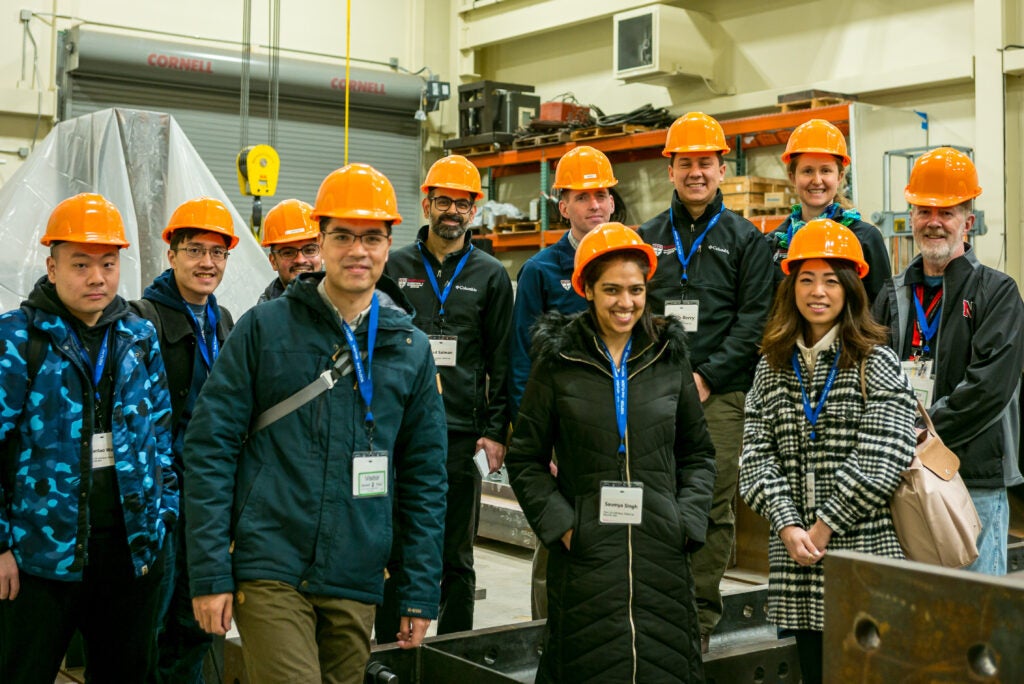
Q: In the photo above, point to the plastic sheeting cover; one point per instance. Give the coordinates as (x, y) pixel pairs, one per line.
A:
(144, 164)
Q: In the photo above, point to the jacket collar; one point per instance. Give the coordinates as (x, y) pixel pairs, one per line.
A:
(682, 215)
(396, 311)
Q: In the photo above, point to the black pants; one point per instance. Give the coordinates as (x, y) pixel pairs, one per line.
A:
(182, 644)
(461, 520)
(115, 612)
(810, 651)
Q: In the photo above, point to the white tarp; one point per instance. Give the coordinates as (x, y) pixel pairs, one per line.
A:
(144, 164)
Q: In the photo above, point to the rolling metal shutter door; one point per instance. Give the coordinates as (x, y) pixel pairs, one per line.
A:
(310, 138)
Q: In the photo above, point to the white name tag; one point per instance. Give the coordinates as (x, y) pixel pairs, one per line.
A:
(922, 379)
(369, 474)
(444, 350)
(480, 458)
(102, 450)
(622, 503)
(686, 311)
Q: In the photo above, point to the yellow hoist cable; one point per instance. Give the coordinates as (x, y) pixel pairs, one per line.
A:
(348, 51)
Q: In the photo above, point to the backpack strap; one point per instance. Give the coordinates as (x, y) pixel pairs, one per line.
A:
(145, 309)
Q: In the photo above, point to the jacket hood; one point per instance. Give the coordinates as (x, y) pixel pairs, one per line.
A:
(555, 334)
(43, 297)
(164, 290)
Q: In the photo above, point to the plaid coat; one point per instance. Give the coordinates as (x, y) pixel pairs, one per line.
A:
(862, 445)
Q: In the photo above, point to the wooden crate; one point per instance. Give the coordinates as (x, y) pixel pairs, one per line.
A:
(518, 227)
(757, 184)
(540, 140)
(596, 132)
(738, 201)
(782, 198)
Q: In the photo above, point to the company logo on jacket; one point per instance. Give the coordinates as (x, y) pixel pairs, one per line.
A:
(968, 309)
(716, 248)
(467, 288)
(411, 283)
(566, 285)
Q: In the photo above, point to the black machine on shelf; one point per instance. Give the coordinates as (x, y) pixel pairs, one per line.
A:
(492, 111)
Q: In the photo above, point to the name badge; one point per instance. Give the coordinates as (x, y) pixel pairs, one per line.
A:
(480, 459)
(444, 349)
(686, 311)
(809, 490)
(102, 450)
(369, 474)
(922, 378)
(622, 503)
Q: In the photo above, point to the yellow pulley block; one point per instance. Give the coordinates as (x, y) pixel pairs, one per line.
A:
(258, 169)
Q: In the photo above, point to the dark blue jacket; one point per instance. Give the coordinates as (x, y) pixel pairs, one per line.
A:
(41, 518)
(277, 504)
(544, 284)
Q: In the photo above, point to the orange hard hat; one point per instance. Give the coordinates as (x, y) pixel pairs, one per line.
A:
(694, 132)
(357, 191)
(816, 136)
(943, 177)
(826, 239)
(584, 168)
(454, 172)
(87, 217)
(605, 238)
(202, 213)
(289, 221)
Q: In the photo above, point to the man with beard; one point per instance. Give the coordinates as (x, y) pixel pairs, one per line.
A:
(191, 328)
(583, 179)
(87, 492)
(293, 239)
(463, 302)
(715, 275)
(958, 327)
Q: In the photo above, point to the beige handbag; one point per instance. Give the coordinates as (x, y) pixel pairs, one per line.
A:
(932, 510)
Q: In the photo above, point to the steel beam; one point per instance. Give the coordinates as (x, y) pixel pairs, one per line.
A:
(899, 621)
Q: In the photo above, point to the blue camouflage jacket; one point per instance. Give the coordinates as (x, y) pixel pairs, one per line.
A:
(45, 480)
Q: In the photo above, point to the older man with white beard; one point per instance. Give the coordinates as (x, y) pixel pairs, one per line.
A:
(958, 327)
(463, 302)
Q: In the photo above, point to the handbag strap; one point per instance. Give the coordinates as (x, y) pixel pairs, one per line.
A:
(923, 412)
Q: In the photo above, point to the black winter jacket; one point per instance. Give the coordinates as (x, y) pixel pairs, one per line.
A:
(731, 275)
(621, 600)
(479, 312)
(978, 362)
(177, 339)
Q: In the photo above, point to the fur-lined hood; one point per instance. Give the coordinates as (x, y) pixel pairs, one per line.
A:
(556, 334)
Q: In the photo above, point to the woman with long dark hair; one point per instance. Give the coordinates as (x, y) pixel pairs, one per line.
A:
(611, 392)
(829, 427)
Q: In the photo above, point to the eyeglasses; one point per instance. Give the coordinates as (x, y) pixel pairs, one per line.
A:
(343, 238)
(442, 203)
(196, 252)
(289, 253)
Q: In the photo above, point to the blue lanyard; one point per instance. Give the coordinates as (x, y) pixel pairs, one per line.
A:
(442, 297)
(684, 260)
(101, 360)
(364, 373)
(620, 385)
(927, 330)
(209, 349)
(812, 414)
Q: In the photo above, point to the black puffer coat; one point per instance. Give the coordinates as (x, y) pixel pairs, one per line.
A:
(621, 605)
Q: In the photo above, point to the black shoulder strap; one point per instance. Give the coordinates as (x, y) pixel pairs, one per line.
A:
(145, 308)
(35, 352)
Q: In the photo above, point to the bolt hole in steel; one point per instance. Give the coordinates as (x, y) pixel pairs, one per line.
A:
(758, 675)
(982, 660)
(783, 671)
(748, 611)
(865, 630)
(491, 657)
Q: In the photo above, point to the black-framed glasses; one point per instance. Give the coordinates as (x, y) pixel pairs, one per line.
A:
(288, 253)
(442, 203)
(197, 252)
(343, 238)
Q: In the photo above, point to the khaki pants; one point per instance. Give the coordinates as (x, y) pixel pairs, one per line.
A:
(288, 636)
(724, 414)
